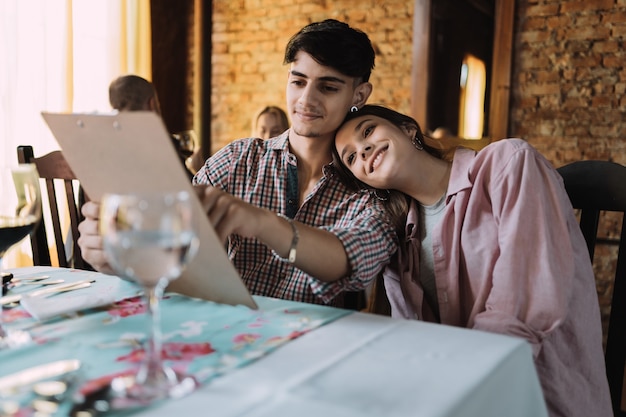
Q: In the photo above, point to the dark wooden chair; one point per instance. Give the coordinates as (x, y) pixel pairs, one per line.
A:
(53, 168)
(595, 186)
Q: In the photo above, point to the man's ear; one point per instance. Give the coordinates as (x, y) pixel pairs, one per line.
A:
(153, 105)
(361, 94)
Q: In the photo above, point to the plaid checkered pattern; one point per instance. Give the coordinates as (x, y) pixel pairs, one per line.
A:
(255, 170)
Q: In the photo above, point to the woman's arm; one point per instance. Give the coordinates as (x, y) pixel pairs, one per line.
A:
(533, 275)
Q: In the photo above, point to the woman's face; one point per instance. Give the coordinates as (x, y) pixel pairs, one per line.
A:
(374, 150)
(268, 126)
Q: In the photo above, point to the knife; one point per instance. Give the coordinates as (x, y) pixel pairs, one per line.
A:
(37, 373)
(14, 298)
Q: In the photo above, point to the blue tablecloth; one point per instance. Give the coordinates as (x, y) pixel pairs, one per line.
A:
(202, 338)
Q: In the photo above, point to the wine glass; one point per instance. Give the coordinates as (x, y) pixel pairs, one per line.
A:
(186, 142)
(20, 212)
(20, 206)
(149, 238)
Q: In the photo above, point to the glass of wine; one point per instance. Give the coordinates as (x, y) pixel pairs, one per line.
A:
(186, 142)
(149, 238)
(20, 205)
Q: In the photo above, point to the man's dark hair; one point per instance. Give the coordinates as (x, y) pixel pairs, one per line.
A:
(334, 44)
(131, 93)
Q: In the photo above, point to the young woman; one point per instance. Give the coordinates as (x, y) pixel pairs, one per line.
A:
(270, 122)
(490, 242)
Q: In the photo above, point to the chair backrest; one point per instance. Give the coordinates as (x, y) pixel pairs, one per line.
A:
(51, 167)
(595, 186)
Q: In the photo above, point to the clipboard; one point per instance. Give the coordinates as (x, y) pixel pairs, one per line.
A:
(132, 152)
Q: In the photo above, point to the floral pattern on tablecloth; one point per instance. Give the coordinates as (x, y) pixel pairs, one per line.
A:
(200, 338)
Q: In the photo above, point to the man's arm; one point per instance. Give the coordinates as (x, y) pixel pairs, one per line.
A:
(319, 253)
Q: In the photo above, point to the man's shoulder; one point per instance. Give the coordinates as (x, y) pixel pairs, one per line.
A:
(242, 145)
(251, 146)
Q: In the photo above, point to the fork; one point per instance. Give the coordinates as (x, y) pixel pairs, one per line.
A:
(49, 291)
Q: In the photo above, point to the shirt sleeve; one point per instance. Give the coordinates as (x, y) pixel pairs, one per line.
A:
(215, 170)
(370, 241)
(534, 272)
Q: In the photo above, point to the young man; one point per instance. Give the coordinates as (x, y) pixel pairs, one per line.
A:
(294, 231)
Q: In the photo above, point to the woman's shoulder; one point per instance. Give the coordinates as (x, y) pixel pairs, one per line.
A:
(497, 157)
(509, 145)
(505, 150)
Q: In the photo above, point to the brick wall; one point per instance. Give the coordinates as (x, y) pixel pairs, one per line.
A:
(249, 39)
(568, 86)
(569, 78)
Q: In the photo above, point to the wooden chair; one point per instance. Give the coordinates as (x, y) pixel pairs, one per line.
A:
(595, 186)
(51, 167)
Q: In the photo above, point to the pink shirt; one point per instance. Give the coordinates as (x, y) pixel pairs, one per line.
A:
(509, 257)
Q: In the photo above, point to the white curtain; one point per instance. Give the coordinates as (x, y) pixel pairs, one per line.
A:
(60, 56)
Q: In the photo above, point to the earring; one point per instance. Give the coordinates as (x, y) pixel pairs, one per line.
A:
(379, 197)
(354, 109)
(417, 142)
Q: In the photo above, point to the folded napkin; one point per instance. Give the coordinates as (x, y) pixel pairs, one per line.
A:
(105, 289)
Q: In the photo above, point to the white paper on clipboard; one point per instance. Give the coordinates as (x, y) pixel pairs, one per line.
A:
(132, 152)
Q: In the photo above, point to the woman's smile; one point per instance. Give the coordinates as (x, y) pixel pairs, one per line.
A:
(378, 157)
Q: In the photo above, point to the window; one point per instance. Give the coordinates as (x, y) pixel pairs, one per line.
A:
(472, 98)
(60, 56)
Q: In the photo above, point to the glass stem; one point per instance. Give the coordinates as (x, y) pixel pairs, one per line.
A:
(153, 367)
(5, 277)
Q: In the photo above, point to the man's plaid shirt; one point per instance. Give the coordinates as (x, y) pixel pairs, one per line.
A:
(256, 171)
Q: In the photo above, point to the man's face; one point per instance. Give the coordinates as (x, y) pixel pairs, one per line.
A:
(318, 97)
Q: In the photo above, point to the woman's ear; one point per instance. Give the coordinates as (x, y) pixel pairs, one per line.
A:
(361, 94)
(409, 130)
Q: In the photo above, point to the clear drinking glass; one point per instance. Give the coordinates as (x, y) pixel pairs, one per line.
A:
(186, 142)
(149, 239)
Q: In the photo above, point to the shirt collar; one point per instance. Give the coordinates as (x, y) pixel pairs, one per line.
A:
(459, 180)
(280, 142)
(459, 175)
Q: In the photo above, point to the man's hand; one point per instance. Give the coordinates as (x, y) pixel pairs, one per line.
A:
(319, 252)
(90, 241)
(230, 215)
